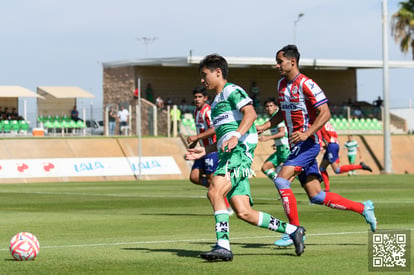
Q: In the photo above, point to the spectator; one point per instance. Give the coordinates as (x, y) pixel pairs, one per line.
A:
(6, 114)
(254, 94)
(160, 103)
(169, 102)
(378, 103)
(175, 115)
(14, 115)
(150, 93)
(183, 106)
(111, 121)
(123, 117)
(357, 112)
(74, 114)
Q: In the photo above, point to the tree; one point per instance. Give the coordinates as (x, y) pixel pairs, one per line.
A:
(402, 26)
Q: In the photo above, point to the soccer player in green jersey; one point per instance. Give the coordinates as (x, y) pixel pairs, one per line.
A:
(353, 148)
(274, 162)
(233, 116)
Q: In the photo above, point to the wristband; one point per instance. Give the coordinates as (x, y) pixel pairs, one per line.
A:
(236, 134)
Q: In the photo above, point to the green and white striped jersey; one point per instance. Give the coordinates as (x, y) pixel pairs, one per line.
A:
(352, 147)
(226, 115)
(283, 140)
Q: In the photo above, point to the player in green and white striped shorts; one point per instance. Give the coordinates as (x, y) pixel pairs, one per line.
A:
(353, 148)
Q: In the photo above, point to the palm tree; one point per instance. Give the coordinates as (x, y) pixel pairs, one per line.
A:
(402, 26)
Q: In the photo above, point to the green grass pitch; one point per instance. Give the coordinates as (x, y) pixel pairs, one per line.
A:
(160, 227)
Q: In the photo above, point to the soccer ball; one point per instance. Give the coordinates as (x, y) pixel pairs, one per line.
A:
(24, 246)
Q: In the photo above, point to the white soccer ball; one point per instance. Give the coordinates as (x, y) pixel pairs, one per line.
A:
(24, 246)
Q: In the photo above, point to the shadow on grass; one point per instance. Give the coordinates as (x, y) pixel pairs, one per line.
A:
(265, 250)
(178, 252)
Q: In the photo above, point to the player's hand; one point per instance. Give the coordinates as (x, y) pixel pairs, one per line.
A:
(260, 129)
(195, 153)
(263, 138)
(192, 139)
(297, 137)
(229, 144)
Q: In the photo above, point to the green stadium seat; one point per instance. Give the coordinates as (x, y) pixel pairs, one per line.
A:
(65, 126)
(80, 125)
(6, 126)
(57, 124)
(48, 124)
(72, 124)
(378, 125)
(14, 124)
(23, 126)
(41, 119)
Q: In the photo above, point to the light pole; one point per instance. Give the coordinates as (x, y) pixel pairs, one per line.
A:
(386, 91)
(300, 15)
(147, 41)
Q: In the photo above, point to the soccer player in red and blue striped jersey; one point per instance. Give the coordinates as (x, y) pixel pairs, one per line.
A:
(304, 108)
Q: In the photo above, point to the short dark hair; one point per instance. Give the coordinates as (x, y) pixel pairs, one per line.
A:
(270, 99)
(214, 61)
(290, 51)
(200, 90)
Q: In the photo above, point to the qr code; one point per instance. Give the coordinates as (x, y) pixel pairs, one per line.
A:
(390, 250)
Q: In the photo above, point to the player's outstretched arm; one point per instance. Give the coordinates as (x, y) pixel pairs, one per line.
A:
(195, 153)
(273, 122)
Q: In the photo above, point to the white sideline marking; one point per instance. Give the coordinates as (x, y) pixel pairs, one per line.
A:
(185, 241)
(108, 195)
(169, 196)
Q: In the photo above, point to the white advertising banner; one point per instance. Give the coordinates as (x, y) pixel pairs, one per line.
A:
(84, 167)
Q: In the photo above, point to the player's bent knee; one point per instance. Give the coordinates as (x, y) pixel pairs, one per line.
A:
(243, 214)
(337, 170)
(318, 199)
(282, 183)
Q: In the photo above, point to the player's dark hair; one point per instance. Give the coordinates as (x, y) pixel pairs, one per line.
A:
(290, 51)
(214, 61)
(270, 99)
(200, 90)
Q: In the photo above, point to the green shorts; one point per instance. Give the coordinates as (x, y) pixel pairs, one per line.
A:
(351, 159)
(280, 156)
(237, 166)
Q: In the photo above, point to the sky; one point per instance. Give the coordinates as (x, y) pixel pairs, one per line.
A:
(64, 43)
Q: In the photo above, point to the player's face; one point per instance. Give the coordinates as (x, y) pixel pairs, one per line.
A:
(270, 108)
(283, 64)
(209, 79)
(199, 100)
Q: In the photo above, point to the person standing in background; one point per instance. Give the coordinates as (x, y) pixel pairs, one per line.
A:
(123, 117)
(112, 121)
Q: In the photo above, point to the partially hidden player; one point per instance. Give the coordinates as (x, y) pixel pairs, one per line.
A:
(331, 157)
(203, 168)
(278, 134)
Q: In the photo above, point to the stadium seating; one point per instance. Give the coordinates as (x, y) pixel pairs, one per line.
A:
(355, 124)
